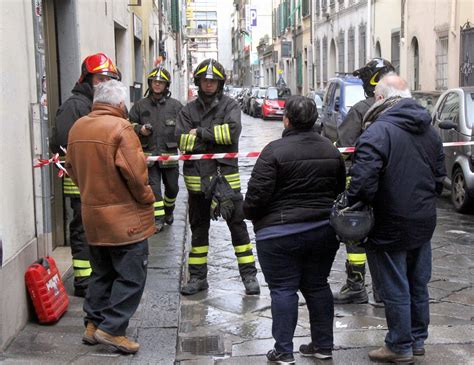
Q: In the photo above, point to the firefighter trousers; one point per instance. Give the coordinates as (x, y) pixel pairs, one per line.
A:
(356, 254)
(170, 176)
(200, 221)
(79, 248)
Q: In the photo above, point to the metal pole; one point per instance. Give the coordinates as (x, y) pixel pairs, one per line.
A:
(368, 45)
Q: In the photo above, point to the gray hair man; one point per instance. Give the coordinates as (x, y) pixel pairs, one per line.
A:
(105, 160)
(398, 169)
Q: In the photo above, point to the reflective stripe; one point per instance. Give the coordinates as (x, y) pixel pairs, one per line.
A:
(215, 70)
(226, 134)
(357, 258)
(190, 144)
(213, 203)
(82, 272)
(69, 187)
(169, 200)
(243, 248)
(201, 70)
(197, 260)
(245, 259)
(183, 142)
(200, 249)
(233, 180)
(81, 264)
(218, 134)
(159, 213)
(193, 183)
(158, 204)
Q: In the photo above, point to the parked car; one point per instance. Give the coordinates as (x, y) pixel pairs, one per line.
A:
(341, 94)
(317, 96)
(246, 100)
(274, 102)
(427, 99)
(453, 116)
(240, 97)
(256, 101)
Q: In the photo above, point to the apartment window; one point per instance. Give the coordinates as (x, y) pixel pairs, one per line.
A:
(362, 40)
(332, 5)
(324, 6)
(442, 63)
(396, 51)
(325, 59)
(318, 8)
(340, 50)
(341, 4)
(350, 50)
(306, 8)
(317, 61)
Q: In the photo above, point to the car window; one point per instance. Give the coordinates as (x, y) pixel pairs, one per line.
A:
(352, 95)
(261, 93)
(450, 109)
(328, 94)
(317, 99)
(470, 110)
(284, 93)
(337, 92)
(272, 94)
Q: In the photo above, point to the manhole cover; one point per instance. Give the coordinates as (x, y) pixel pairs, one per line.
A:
(208, 345)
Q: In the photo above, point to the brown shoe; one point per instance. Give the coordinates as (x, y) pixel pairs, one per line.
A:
(88, 337)
(121, 343)
(384, 354)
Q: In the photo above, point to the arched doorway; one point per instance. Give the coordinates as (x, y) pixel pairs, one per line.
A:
(415, 55)
(378, 50)
(332, 59)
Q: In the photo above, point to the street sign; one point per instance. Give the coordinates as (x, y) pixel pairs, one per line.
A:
(253, 17)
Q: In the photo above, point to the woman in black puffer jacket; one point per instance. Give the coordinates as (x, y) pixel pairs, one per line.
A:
(289, 198)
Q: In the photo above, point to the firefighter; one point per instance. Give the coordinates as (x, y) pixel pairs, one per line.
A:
(211, 124)
(351, 128)
(154, 119)
(95, 69)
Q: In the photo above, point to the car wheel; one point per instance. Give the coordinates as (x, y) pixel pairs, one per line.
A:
(461, 200)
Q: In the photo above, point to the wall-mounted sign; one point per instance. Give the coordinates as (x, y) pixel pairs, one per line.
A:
(253, 17)
(286, 49)
(137, 27)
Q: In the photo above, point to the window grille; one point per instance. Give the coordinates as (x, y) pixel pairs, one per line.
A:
(362, 57)
(396, 51)
(340, 49)
(325, 59)
(442, 63)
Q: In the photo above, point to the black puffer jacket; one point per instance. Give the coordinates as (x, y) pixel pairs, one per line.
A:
(75, 107)
(296, 179)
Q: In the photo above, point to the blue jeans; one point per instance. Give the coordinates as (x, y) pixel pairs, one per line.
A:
(402, 278)
(300, 262)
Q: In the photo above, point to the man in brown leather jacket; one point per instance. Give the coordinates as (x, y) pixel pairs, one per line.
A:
(105, 160)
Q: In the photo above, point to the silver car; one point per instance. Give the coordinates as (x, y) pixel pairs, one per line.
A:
(453, 115)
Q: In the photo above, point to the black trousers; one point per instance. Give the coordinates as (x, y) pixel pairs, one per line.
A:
(116, 285)
(79, 246)
(200, 221)
(170, 176)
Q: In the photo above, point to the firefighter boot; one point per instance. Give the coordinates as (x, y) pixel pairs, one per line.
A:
(194, 285)
(354, 290)
(169, 217)
(251, 285)
(159, 224)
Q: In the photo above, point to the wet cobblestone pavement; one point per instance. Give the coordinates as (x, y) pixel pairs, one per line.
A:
(224, 326)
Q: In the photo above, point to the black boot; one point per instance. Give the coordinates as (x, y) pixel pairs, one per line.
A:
(159, 224)
(251, 285)
(194, 285)
(354, 290)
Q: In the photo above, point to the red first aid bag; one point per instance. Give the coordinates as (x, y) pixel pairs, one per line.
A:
(46, 290)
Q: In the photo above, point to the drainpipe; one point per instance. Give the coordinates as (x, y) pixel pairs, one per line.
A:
(368, 46)
(39, 138)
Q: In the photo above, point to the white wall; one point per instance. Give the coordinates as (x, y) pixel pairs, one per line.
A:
(224, 40)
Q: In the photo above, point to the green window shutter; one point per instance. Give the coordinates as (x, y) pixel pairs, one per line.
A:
(175, 15)
(299, 76)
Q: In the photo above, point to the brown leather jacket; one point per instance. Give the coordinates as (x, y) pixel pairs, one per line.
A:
(105, 159)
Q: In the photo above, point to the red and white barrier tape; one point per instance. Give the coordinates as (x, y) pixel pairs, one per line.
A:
(213, 156)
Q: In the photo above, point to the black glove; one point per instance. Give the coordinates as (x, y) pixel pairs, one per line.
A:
(215, 209)
(226, 207)
(222, 198)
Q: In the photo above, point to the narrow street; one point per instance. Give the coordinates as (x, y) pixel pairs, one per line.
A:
(224, 326)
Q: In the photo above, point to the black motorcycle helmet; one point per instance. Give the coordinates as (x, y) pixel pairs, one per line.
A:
(160, 74)
(372, 72)
(210, 69)
(352, 224)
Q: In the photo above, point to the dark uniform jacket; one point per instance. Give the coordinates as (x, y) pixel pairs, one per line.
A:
(296, 179)
(218, 131)
(352, 126)
(399, 169)
(75, 107)
(162, 115)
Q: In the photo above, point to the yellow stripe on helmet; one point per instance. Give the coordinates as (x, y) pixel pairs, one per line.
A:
(372, 80)
(162, 74)
(201, 70)
(216, 71)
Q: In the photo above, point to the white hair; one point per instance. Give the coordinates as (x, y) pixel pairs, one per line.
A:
(392, 85)
(110, 92)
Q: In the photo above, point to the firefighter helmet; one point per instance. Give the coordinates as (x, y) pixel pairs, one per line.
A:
(210, 69)
(159, 74)
(99, 64)
(351, 223)
(372, 72)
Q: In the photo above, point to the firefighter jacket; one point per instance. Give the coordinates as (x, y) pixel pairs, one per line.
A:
(218, 128)
(106, 161)
(75, 107)
(162, 115)
(352, 126)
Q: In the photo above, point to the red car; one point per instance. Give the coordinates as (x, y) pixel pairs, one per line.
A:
(274, 102)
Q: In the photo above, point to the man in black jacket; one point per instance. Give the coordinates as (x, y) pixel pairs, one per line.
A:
(95, 69)
(353, 291)
(154, 118)
(211, 124)
(399, 169)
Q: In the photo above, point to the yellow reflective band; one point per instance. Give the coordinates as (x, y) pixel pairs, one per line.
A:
(159, 213)
(190, 143)
(82, 272)
(226, 134)
(162, 74)
(169, 200)
(243, 248)
(81, 264)
(200, 249)
(153, 73)
(158, 203)
(213, 204)
(201, 70)
(357, 258)
(169, 204)
(215, 70)
(235, 185)
(197, 260)
(182, 142)
(232, 176)
(372, 80)
(217, 134)
(192, 178)
(245, 259)
(100, 67)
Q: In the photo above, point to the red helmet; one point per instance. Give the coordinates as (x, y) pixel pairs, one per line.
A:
(100, 64)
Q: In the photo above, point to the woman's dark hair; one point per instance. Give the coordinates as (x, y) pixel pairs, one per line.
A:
(301, 111)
